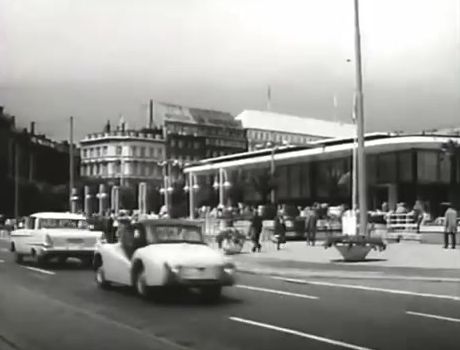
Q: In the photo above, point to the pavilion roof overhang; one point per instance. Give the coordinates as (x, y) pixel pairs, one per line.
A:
(322, 152)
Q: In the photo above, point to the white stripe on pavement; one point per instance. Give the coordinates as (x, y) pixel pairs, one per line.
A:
(371, 289)
(46, 272)
(437, 317)
(275, 291)
(300, 334)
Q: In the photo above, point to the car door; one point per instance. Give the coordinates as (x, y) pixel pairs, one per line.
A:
(117, 266)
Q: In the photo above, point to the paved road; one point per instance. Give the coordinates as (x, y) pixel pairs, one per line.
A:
(61, 308)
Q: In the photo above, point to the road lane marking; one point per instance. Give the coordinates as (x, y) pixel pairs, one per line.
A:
(437, 317)
(46, 272)
(370, 289)
(275, 291)
(4, 250)
(300, 334)
(2, 261)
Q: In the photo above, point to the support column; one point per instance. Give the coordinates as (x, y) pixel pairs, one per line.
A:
(87, 206)
(101, 196)
(191, 196)
(115, 199)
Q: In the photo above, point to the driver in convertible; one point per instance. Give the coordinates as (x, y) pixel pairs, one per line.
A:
(132, 238)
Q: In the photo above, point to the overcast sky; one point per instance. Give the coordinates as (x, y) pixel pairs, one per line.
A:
(97, 59)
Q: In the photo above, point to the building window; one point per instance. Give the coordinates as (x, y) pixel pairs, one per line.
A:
(152, 152)
(181, 143)
(134, 151)
(104, 150)
(118, 150)
(142, 152)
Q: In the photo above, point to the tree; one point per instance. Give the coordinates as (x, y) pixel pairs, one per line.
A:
(263, 184)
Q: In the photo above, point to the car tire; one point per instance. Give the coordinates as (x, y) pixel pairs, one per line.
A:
(39, 260)
(18, 258)
(211, 293)
(141, 286)
(100, 279)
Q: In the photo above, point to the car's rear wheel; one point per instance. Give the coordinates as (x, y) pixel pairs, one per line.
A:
(39, 260)
(18, 258)
(140, 284)
(211, 293)
(101, 280)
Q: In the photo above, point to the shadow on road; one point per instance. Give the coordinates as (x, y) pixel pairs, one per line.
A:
(357, 262)
(181, 297)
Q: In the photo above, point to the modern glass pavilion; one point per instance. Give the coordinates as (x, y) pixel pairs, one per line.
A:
(400, 168)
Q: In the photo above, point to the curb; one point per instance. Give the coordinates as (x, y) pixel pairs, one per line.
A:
(350, 276)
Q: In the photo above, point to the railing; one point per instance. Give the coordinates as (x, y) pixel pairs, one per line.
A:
(401, 222)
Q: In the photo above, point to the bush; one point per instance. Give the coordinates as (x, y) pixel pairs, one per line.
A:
(232, 234)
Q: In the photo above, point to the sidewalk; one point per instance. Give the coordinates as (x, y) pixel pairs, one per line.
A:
(406, 260)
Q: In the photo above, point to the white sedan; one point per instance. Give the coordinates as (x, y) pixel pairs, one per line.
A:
(54, 235)
(153, 254)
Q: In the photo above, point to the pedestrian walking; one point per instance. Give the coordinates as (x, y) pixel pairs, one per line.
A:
(255, 231)
(310, 226)
(450, 226)
(418, 214)
(280, 231)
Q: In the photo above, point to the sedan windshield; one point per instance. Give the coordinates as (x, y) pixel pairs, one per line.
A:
(173, 234)
(63, 223)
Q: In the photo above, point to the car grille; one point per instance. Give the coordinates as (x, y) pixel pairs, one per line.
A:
(199, 273)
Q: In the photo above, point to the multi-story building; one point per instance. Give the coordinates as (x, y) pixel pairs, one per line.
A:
(34, 166)
(263, 128)
(192, 134)
(122, 156)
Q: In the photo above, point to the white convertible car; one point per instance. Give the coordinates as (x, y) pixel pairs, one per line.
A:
(55, 235)
(153, 254)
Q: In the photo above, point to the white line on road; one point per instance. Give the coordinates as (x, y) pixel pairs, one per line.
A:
(300, 334)
(4, 250)
(371, 289)
(2, 261)
(275, 291)
(443, 318)
(46, 272)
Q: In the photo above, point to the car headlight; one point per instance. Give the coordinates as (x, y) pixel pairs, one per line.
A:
(229, 268)
(173, 268)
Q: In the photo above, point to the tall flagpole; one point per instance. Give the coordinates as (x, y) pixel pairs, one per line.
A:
(362, 190)
(269, 98)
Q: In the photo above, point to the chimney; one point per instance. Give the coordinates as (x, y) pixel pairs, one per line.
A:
(150, 122)
(32, 128)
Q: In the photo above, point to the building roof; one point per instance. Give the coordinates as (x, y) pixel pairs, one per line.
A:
(330, 149)
(176, 113)
(271, 121)
(58, 215)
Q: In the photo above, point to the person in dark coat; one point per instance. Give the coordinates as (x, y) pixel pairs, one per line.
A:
(310, 226)
(450, 226)
(256, 230)
(280, 231)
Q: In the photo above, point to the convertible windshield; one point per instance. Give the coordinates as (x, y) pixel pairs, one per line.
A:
(173, 234)
(63, 223)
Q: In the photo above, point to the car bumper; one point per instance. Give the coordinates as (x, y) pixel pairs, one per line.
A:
(75, 253)
(224, 280)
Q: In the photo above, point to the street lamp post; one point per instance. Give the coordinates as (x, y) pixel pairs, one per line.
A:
(360, 126)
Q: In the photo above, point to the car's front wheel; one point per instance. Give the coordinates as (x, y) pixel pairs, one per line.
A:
(140, 283)
(100, 279)
(211, 293)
